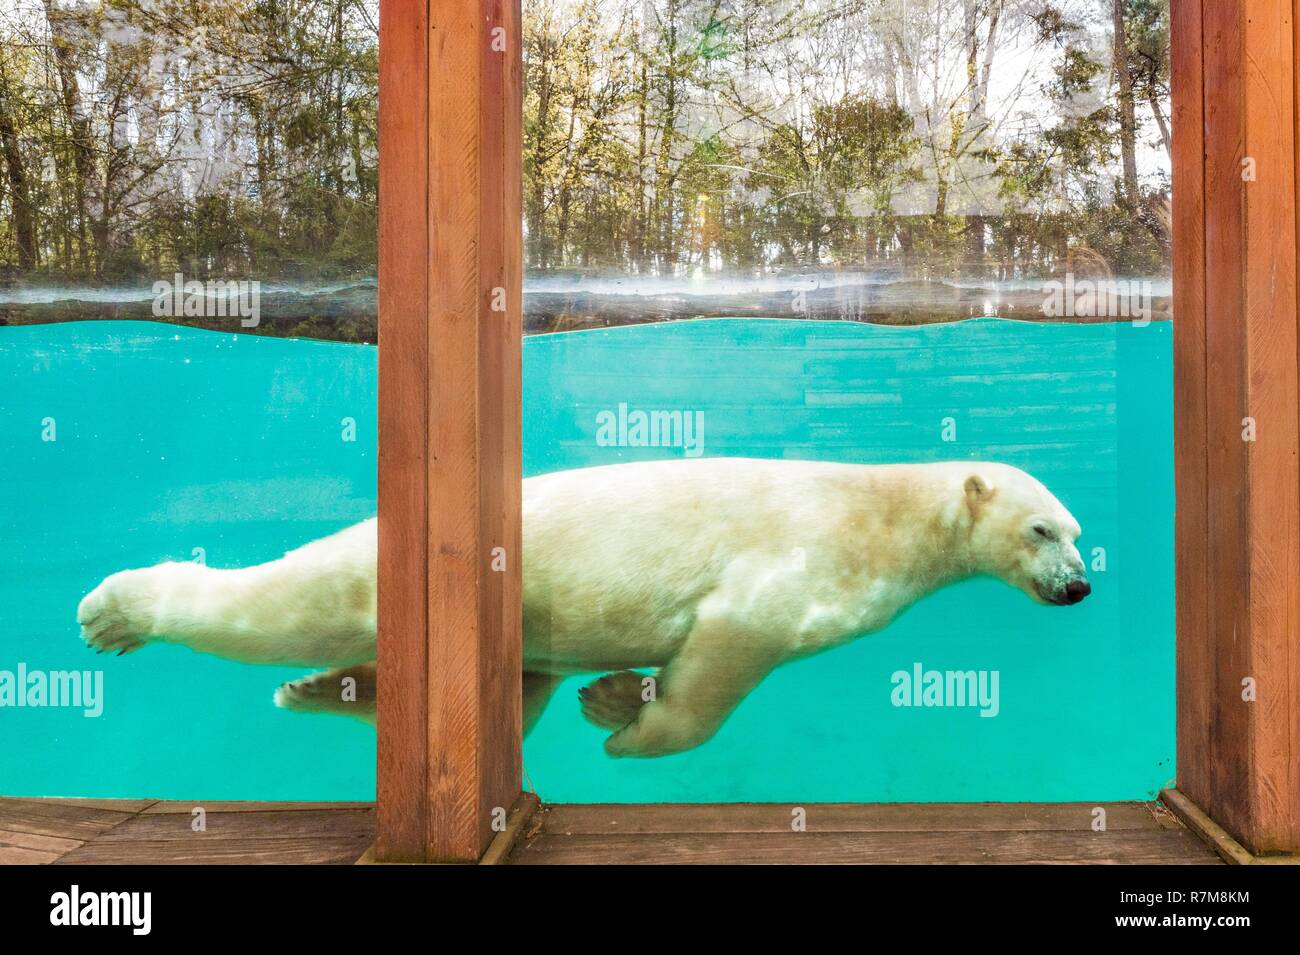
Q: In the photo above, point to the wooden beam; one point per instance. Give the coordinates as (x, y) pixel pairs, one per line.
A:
(1210, 832)
(1195, 667)
(504, 842)
(1237, 433)
(450, 292)
(401, 809)
(1273, 402)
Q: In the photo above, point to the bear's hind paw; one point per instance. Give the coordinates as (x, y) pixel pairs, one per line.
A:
(613, 701)
(348, 691)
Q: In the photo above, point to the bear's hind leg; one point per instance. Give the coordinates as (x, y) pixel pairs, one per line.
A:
(326, 692)
(696, 691)
(538, 690)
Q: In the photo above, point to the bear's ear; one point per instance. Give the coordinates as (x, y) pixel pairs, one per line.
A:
(978, 493)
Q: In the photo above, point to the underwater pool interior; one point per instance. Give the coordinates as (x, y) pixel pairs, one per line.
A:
(173, 444)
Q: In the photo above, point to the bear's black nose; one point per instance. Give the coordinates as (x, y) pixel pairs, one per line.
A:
(1076, 590)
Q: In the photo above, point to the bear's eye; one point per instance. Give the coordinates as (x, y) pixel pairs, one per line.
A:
(1043, 531)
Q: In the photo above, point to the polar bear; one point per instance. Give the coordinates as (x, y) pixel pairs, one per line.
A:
(712, 571)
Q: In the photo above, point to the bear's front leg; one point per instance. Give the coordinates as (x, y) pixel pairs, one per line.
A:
(314, 606)
(696, 692)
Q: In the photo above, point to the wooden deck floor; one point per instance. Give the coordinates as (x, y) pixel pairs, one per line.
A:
(125, 832)
(875, 833)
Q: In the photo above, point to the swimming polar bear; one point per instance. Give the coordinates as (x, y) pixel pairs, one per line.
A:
(712, 570)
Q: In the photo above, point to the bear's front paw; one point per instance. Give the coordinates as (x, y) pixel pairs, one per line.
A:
(114, 616)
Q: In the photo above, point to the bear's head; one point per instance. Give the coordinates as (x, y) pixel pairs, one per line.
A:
(1022, 534)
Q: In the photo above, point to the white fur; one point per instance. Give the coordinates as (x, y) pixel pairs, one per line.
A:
(314, 606)
(715, 570)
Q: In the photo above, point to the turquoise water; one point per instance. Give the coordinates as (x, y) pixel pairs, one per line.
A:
(170, 439)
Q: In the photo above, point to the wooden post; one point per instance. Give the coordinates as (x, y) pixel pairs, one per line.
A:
(1237, 430)
(450, 323)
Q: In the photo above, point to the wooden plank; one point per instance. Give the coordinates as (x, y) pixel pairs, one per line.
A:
(1227, 585)
(454, 170)
(54, 819)
(450, 710)
(1273, 459)
(401, 682)
(842, 817)
(30, 840)
(13, 855)
(1195, 670)
(495, 328)
(521, 815)
(500, 410)
(966, 847)
(113, 805)
(1291, 639)
(327, 824)
(185, 807)
(307, 850)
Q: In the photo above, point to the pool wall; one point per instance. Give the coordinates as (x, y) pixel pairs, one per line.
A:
(167, 440)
